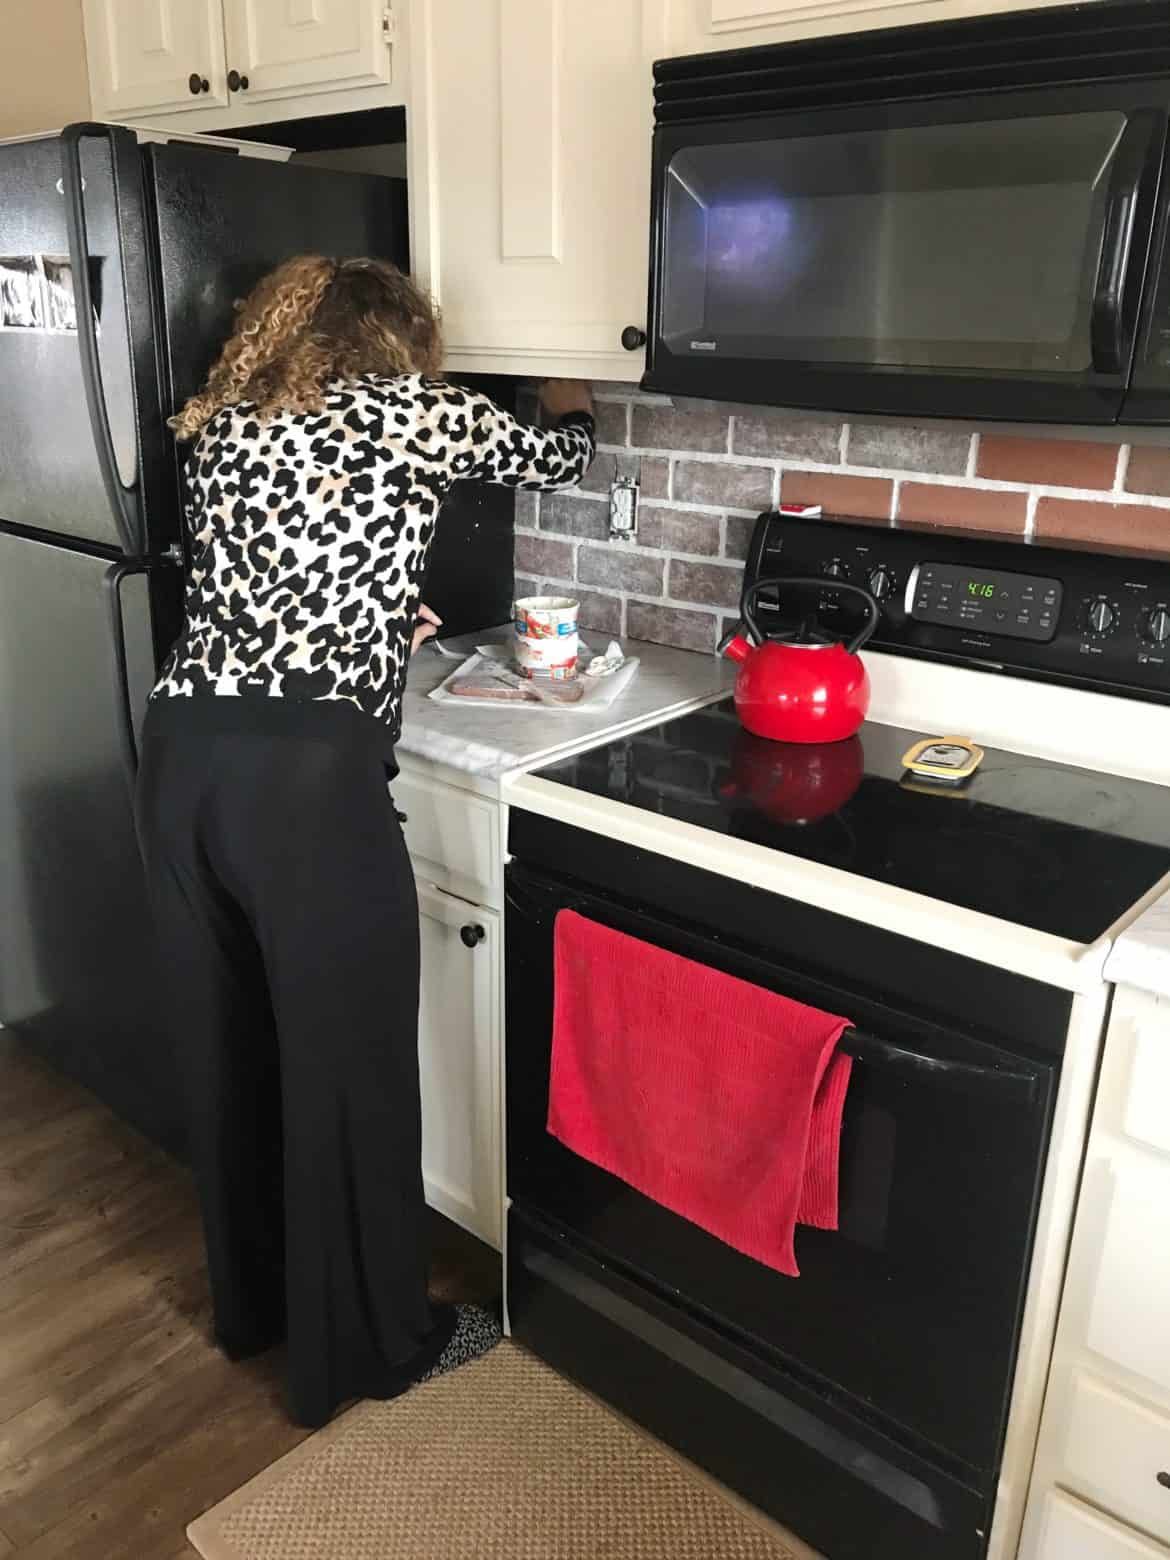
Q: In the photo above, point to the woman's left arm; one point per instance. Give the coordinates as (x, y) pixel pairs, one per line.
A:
(519, 455)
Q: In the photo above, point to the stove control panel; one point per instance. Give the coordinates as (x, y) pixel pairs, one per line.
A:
(1015, 606)
(1091, 619)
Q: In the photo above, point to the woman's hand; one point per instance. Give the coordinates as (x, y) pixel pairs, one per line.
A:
(561, 396)
(427, 624)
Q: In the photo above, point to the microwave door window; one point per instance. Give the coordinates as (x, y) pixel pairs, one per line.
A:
(971, 246)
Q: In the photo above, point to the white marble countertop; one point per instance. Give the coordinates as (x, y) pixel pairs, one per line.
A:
(491, 742)
(1141, 955)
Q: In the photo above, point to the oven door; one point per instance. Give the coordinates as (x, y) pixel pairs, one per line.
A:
(907, 1316)
(973, 257)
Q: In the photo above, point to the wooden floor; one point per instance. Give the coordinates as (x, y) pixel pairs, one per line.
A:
(119, 1422)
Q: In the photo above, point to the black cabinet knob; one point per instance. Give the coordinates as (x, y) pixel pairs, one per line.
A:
(236, 82)
(633, 338)
(198, 83)
(472, 935)
(1163, 1479)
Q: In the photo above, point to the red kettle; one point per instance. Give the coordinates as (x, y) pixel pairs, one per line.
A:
(801, 684)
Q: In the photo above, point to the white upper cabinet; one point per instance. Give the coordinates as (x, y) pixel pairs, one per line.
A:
(149, 59)
(284, 47)
(530, 158)
(154, 56)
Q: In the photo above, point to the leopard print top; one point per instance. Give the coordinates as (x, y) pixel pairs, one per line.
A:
(310, 534)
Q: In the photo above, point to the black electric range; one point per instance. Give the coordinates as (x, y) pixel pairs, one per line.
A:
(1045, 845)
(864, 1404)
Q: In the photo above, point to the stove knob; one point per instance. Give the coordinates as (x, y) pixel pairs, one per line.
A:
(881, 583)
(1100, 616)
(1156, 625)
(835, 570)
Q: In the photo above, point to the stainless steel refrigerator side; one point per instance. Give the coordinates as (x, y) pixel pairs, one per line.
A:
(78, 980)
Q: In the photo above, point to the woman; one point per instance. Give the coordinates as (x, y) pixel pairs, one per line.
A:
(282, 890)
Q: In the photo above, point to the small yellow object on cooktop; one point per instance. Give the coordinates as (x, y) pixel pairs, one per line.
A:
(944, 758)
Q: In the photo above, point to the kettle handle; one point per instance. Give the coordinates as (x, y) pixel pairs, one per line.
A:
(863, 634)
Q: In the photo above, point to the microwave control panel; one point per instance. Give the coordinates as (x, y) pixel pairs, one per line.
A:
(1084, 618)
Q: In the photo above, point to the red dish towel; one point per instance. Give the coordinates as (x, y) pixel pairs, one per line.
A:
(716, 1098)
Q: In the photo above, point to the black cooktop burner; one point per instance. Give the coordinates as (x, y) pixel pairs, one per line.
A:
(1045, 845)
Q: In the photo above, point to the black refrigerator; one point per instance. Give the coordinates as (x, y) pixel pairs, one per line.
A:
(120, 261)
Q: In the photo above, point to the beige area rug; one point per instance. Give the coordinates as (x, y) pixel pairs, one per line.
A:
(500, 1460)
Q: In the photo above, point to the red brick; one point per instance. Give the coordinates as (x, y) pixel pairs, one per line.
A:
(1149, 471)
(1141, 526)
(1073, 463)
(868, 497)
(976, 509)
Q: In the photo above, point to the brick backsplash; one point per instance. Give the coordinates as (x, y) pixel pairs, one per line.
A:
(707, 469)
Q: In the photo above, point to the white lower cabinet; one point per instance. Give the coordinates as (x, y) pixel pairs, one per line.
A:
(1105, 1431)
(459, 1058)
(1069, 1531)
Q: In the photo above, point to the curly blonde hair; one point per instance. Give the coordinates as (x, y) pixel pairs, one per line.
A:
(310, 321)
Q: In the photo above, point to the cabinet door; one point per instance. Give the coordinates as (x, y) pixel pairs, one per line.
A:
(539, 165)
(459, 1040)
(143, 54)
(285, 47)
(1070, 1531)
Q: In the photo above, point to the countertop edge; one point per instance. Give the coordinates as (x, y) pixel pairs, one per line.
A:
(1140, 956)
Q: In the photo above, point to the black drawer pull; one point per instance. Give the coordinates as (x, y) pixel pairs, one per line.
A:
(472, 935)
(1164, 1479)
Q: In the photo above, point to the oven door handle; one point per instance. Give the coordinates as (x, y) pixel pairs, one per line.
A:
(865, 1047)
(523, 895)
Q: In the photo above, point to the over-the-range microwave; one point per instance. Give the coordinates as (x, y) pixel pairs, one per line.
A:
(961, 219)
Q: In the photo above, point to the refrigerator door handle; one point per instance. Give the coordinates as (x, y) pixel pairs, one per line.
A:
(123, 499)
(115, 574)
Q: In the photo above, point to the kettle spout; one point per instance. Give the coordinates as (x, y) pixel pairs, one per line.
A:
(737, 648)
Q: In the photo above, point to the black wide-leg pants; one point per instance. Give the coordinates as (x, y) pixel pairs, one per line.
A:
(288, 926)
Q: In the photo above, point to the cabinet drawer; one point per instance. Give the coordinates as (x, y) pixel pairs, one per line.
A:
(1114, 1450)
(1070, 1531)
(1130, 1295)
(452, 836)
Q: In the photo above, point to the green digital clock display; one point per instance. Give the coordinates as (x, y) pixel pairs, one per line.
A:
(980, 588)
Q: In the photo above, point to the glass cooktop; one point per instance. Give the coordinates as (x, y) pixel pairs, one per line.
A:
(1047, 846)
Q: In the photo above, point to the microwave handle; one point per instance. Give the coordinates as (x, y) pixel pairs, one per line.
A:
(1108, 333)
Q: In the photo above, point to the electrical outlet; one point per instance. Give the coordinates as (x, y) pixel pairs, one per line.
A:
(623, 508)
